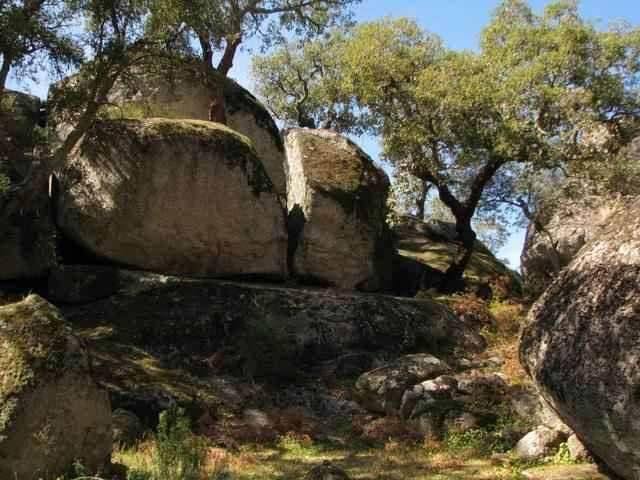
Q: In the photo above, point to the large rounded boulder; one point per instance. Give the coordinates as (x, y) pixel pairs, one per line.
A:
(51, 411)
(582, 346)
(336, 198)
(185, 90)
(175, 196)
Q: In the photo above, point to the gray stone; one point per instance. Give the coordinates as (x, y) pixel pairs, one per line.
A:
(577, 450)
(174, 196)
(539, 443)
(568, 224)
(381, 390)
(52, 413)
(581, 342)
(336, 199)
(185, 92)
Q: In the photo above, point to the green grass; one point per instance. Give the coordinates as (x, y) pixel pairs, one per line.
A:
(292, 457)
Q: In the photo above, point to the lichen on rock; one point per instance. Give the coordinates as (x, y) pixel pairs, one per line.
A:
(174, 196)
(51, 411)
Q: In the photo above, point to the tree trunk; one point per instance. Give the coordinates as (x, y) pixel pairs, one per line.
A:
(422, 199)
(4, 72)
(453, 277)
(226, 62)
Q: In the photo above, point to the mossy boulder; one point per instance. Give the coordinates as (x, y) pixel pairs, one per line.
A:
(52, 413)
(336, 199)
(184, 90)
(425, 249)
(174, 196)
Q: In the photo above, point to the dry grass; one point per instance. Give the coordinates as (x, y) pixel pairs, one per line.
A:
(504, 337)
(292, 457)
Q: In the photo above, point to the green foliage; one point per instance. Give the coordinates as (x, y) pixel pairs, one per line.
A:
(5, 183)
(179, 454)
(35, 34)
(563, 455)
(300, 82)
(223, 25)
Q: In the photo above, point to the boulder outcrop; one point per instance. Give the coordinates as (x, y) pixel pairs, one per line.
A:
(336, 199)
(174, 196)
(581, 342)
(425, 249)
(184, 91)
(561, 230)
(157, 332)
(52, 413)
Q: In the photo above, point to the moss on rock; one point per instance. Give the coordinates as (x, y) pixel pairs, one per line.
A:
(238, 149)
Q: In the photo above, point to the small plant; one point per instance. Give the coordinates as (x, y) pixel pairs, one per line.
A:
(179, 454)
(563, 455)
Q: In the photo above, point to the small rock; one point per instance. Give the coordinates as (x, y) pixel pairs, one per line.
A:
(577, 450)
(127, 428)
(326, 471)
(381, 390)
(461, 423)
(539, 443)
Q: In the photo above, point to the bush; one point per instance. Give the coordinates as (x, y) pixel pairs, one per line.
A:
(179, 454)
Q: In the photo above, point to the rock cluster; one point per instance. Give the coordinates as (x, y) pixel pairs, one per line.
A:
(432, 397)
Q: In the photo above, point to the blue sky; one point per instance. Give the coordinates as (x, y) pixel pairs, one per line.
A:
(459, 23)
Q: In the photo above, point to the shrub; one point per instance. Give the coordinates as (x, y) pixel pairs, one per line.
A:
(179, 454)
(471, 309)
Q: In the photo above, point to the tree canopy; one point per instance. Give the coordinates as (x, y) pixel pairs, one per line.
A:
(544, 92)
(219, 27)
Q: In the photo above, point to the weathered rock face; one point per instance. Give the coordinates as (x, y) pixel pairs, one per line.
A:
(426, 250)
(539, 443)
(569, 225)
(156, 330)
(174, 196)
(581, 343)
(51, 411)
(188, 93)
(27, 240)
(337, 201)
